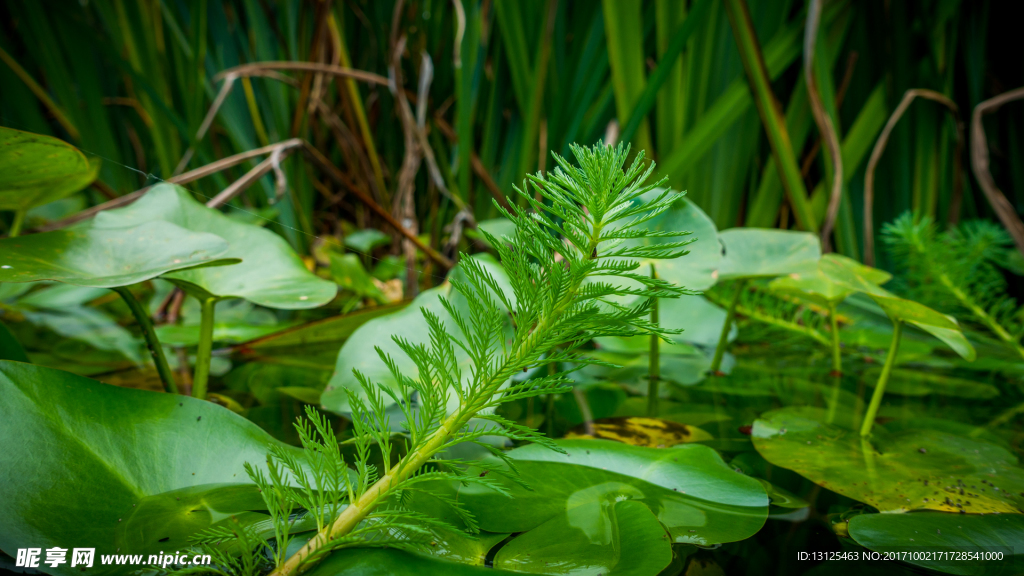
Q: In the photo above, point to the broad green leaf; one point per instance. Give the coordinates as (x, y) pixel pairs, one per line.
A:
(696, 269)
(108, 258)
(390, 562)
(766, 253)
(693, 493)
(168, 520)
(270, 274)
(90, 326)
(632, 367)
(58, 296)
(37, 169)
(111, 449)
(894, 472)
(366, 240)
(948, 533)
(451, 544)
(818, 287)
(861, 279)
(607, 539)
(359, 351)
(699, 319)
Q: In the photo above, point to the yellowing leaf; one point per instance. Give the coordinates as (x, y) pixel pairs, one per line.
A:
(640, 431)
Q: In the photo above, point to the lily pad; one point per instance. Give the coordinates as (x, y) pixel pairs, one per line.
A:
(693, 493)
(819, 287)
(940, 325)
(108, 258)
(700, 320)
(894, 472)
(695, 270)
(37, 169)
(270, 273)
(641, 431)
(766, 253)
(946, 533)
(111, 448)
(614, 539)
(359, 351)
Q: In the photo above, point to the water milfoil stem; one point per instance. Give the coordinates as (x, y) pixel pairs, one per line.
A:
(723, 339)
(876, 398)
(152, 342)
(837, 356)
(564, 290)
(204, 351)
(654, 369)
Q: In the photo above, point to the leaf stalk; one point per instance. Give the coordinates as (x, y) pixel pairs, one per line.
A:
(883, 379)
(156, 350)
(204, 351)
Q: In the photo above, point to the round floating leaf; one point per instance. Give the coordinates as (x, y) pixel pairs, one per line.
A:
(696, 269)
(766, 253)
(37, 169)
(693, 493)
(819, 287)
(610, 539)
(861, 279)
(270, 273)
(947, 533)
(894, 472)
(641, 431)
(111, 449)
(359, 351)
(700, 320)
(109, 258)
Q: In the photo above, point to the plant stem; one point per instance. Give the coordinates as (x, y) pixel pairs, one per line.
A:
(981, 314)
(723, 340)
(414, 460)
(654, 369)
(837, 357)
(152, 342)
(204, 351)
(876, 398)
(19, 219)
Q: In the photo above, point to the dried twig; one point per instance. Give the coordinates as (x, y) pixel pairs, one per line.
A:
(270, 67)
(824, 122)
(876, 155)
(337, 176)
(980, 162)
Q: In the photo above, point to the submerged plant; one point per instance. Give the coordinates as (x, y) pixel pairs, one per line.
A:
(958, 270)
(570, 260)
